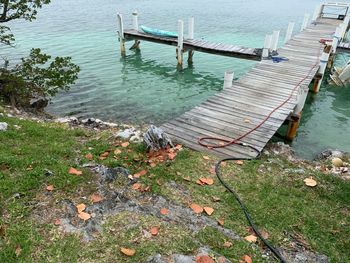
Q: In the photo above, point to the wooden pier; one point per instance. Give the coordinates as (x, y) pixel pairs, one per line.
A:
(271, 94)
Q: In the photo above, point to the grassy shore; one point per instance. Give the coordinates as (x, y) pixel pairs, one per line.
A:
(35, 155)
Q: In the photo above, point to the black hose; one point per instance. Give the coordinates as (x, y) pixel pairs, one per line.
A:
(243, 207)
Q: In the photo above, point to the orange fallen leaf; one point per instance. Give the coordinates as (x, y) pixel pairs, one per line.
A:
(239, 162)
(264, 234)
(127, 251)
(310, 182)
(212, 170)
(29, 168)
(247, 259)
(206, 157)
(105, 154)
(164, 211)
(154, 230)
(204, 259)
(188, 179)
(222, 143)
(251, 238)
(50, 188)
(74, 171)
(18, 250)
(153, 165)
(221, 221)
(208, 210)
(227, 244)
(125, 144)
(207, 181)
(136, 186)
(199, 182)
(171, 156)
(178, 147)
(84, 216)
(196, 208)
(141, 173)
(215, 198)
(89, 156)
(57, 222)
(247, 121)
(117, 152)
(95, 198)
(80, 208)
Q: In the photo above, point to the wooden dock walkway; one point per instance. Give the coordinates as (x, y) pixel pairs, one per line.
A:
(241, 107)
(198, 45)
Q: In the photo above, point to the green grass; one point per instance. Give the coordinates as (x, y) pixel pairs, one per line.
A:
(278, 201)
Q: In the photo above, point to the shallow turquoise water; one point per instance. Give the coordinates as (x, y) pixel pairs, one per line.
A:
(145, 86)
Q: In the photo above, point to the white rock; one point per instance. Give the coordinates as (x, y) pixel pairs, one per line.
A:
(3, 126)
(126, 134)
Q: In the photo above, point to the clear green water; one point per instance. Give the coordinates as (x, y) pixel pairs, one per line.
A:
(145, 86)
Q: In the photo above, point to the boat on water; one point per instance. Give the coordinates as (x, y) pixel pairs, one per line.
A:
(158, 32)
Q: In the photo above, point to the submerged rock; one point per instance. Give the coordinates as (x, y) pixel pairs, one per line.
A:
(3, 126)
(329, 153)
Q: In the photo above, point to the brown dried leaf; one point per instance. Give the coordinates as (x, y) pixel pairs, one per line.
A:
(117, 152)
(247, 259)
(125, 144)
(50, 188)
(221, 221)
(95, 198)
(18, 250)
(227, 244)
(310, 182)
(209, 210)
(141, 173)
(216, 199)
(239, 162)
(178, 147)
(74, 171)
(80, 208)
(188, 179)
(104, 154)
(196, 208)
(89, 156)
(57, 222)
(199, 182)
(204, 259)
(136, 186)
(154, 230)
(207, 181)
(84, 216)
(171, 156)
(206, 157)
(164, 211)
(127, 251)
(251, 238)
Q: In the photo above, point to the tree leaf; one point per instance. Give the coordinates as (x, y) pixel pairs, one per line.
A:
(125, 144)
(117, 152)
(74, 171)
(310, 182)
(57, 222)
(209, 210)
(239, 162)
(247, 259)
(154, 230)
(128, 251)
(171, 156)
(80, 208)
(207, 181)
(204, 259)
(196, 208)
(89, 156)
(95, 198)
(221, 221)
(18, 250)
(50, 188)
(206, 157)
(136, 186)
(227, 244)
(104, 154)
(164, 211)
(141, 173)
(251, 238)
(84, 216)
(215, 198)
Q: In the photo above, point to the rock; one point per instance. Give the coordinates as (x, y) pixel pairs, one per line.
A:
(329, 153)
(337, 162)
(69, 120)
(127, 133)
(137, 137)
(156, 139)
(3, 126)
(295, 171)
(38, 102)
(183, 259)
(156, 259)
(110, 174)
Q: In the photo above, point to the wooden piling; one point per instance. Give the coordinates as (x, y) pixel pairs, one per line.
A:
(190, 28)
(228, 79)
(322, 68)
(180, 40)
(267, 46)
(289, 31)
(317, 13)
(121, 33)
(275, 39)
(293, 126)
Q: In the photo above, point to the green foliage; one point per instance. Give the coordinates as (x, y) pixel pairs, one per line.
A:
(37, 75)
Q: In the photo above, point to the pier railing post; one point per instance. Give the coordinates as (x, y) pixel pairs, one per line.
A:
(275, 39)
(305, 22)
(317, 13)
(121, 33)
(336, 38)
(289, 31)
(135, 20)
(180, 41)
(322, 69)
(267, 46)
(301, 99)
(191, 28)
(228, 79)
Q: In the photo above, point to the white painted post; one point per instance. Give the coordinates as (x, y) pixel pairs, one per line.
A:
(345, 75)
(305, 22)
(301, 99)
(121, 33)
(289, 31)
(180, 41)
(267, 45)
(191, 28)
(275, 38)
(228, 79)
(135, 20)
(336, 39)
(317, 13)
(321, 70)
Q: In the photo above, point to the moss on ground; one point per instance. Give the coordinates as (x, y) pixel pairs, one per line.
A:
(277, 199)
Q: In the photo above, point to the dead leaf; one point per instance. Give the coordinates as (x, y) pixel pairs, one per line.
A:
(239, 162)
(221, 221)
(215, 198)
(188, 179)
(84, 216)
(227, 244)
(154, 230)
(153, 165)
(247, 259)
(18, 250)
(178, 147)
(95, 198)
(128, 251)
(251, 238)
(310, 182)
(209, 210)
(80, 208)
(89, 156)
(141, 173)
(136, 186)
(117, 152)
(204, 259)
(196, 208)
(264, 234)
(125, 144)
(247, 121)
(206, 157)
(50, 188)
(212, 170)
(164, 211)
(74, 171)
(29, 168)
(57, 222)
(171, 156)
(207, 181)
(105, 154)
(199, 182)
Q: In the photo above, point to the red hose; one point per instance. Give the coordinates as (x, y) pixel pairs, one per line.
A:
(227, 142)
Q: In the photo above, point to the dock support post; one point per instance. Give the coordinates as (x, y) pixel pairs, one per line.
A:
(275, 38)
(320, 73)
(228, 79)
(289, 31)
(190, 37)
(317, 13)
(267, 45)
(135, 20)
(293, 126)
(180, 41)
(121, 33)
(305, 22)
